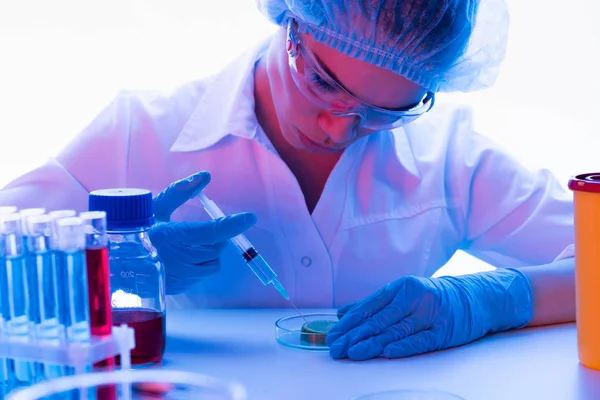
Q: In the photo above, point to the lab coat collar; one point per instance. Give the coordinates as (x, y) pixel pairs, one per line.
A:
(232, 90)
(404, 152)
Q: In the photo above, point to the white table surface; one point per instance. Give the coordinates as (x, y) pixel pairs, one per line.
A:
(240, 345)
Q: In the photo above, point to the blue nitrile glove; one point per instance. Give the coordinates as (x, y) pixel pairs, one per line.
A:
(191, 250)
(416, 315)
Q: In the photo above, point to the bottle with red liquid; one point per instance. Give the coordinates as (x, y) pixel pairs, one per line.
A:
(137, 277)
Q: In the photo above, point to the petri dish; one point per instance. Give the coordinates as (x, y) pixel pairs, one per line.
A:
(409, 395)
(290, 333)
(130, 384)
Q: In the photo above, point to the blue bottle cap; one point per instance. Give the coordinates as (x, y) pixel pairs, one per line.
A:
(125, 208)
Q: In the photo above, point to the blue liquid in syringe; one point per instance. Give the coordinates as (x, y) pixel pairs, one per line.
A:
(253, 259)
(259, 265)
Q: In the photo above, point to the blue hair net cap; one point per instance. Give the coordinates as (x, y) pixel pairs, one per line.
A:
(442, 45)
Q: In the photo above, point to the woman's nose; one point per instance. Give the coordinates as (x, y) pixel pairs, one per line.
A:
(339, 129)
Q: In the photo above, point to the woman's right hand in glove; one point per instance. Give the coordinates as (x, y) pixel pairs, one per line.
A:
(191, 251)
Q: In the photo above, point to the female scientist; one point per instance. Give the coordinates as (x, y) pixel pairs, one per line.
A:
(353, 182)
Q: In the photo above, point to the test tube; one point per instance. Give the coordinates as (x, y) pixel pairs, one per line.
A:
(3, 377)
(3, 370)
(55, 216)
(31, 275)
(58, 214)
(43, 305)
(25, 213)
(96, 254)
(60, 275)
(58, 284)
(71, 278)
(8, 210)
(15, 299)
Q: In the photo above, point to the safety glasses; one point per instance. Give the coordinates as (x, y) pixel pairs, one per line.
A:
(329, 95)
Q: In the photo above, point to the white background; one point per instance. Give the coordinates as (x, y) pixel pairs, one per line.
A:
(61, 61)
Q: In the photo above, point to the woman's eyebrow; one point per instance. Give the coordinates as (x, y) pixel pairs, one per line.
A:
(323, 65)
(325, 68)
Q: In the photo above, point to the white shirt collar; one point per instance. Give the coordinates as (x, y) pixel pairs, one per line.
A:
(226, 107)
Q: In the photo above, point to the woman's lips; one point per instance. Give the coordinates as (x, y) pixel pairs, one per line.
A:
(312, 144)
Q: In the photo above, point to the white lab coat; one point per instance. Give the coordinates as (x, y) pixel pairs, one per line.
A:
(396, 203)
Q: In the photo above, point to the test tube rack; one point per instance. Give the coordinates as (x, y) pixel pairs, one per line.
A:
(77, 355)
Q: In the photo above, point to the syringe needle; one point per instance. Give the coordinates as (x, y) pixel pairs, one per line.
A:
(293, 305)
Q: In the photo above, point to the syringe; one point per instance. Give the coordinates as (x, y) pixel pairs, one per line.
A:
(251, 256)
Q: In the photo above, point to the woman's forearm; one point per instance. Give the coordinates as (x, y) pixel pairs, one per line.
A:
(553, 287)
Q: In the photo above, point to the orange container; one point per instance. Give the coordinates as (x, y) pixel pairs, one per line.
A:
(586, 194)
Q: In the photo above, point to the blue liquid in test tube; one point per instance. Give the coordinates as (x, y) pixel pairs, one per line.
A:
(15, 299)
(42, 289)
(72, 279)
(31, 277)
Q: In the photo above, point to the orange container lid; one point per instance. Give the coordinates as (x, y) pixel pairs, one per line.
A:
(586, 182)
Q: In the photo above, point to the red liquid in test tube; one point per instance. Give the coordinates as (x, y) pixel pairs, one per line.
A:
(100, 310)
(99, 291)
(98, 276)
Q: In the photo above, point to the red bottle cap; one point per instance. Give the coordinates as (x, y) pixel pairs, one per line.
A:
(586, 182)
